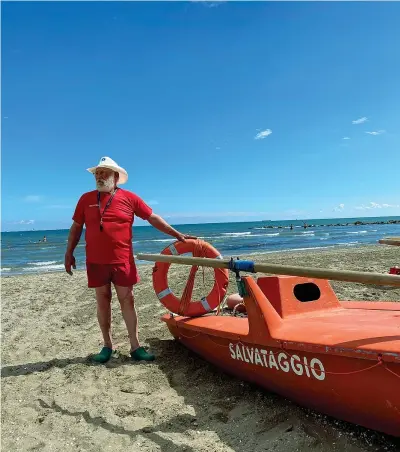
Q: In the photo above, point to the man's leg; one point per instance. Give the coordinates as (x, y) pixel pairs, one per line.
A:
(103, 297)
(99, 278)
(126, 300)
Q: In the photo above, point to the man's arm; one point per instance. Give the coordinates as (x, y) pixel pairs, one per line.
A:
(160, 224)
(74, 236)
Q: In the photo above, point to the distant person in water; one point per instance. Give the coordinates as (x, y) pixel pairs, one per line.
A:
(108, 213)
(44, 239)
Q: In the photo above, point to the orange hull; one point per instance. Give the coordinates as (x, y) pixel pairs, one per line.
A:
(342, 359)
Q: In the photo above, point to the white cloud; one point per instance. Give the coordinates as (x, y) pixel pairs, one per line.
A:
(32, 198)
(374, 205)
(213, 4)
(378, 132)
(208, 4)
(346, 138)
(23, 222)
(263, 134)
(339, 208)
(360, 121)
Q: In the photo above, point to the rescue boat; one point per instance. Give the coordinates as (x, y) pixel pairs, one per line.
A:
(295, 338)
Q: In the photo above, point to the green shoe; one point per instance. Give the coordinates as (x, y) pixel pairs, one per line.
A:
(103, 356)
(141, 354)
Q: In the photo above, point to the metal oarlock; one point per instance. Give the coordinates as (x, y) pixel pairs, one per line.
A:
(235, 267)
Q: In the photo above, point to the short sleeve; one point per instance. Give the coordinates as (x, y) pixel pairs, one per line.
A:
(79, 214)
(142, 210)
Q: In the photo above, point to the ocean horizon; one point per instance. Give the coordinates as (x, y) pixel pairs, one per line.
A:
(24, 252)
(277, 222)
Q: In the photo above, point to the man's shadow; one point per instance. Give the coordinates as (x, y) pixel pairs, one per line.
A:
(42, 366)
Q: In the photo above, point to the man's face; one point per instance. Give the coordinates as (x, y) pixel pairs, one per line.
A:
(105, 179)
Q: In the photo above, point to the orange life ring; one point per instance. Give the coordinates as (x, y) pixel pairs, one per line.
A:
(167, 297)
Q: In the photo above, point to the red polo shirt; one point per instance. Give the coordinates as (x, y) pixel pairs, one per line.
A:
(113, 244)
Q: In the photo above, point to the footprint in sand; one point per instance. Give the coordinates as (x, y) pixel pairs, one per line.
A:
(135, 387)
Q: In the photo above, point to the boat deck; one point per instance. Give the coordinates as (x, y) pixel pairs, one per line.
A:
(355, 326)
(358, 328)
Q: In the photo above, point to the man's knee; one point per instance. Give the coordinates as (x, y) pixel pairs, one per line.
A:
(125, 296)
(103, 295)
(127, 300)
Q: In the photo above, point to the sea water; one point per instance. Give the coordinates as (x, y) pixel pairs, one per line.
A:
(25, 252)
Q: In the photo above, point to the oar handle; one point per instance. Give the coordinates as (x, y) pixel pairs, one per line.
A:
(390, 241)
(308, 272)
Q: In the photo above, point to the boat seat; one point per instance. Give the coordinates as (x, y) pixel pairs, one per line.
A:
(293, 295)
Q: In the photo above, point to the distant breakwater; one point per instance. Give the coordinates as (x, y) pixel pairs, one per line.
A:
(306, 225)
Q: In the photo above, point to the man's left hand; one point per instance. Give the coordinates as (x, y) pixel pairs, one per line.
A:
(184, 237)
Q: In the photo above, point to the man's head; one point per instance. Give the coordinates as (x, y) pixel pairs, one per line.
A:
(106, 179)
(107, 174)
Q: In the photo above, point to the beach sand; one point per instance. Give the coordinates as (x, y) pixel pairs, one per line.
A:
(55, 399)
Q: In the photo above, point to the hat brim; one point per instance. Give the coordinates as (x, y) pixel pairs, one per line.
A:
(123, 175)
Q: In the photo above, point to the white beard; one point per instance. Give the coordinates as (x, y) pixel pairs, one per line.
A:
(105, 185)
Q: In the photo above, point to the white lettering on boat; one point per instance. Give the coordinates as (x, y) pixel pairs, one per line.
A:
(281, 362)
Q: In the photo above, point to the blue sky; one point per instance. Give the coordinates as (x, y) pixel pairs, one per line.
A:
(229, 112)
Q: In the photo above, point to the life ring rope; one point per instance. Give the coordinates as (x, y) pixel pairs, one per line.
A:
(198, 251)
(185, 305)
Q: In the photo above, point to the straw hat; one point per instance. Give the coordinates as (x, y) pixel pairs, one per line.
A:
(106, 162)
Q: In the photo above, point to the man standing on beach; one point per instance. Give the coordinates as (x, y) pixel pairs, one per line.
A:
(108, 213)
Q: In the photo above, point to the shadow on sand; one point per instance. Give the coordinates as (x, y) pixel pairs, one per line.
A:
(244, 417)
(42, 366)
(98, 421)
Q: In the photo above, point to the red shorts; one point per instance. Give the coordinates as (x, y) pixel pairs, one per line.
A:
(124, 274)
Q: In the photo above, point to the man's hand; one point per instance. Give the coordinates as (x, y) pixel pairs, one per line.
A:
(69, 261)
(184, 237)
(73, 239)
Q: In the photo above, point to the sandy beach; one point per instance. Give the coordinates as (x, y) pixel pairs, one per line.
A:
(55, 399)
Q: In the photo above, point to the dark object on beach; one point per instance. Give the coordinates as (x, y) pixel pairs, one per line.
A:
(394, 270)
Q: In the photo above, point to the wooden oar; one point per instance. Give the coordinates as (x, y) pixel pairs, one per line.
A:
(336, 275)
(390, 241)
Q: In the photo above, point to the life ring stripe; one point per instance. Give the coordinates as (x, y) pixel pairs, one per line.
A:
(205, 304)
(164, 293)
(173, 250)
(218, 257)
